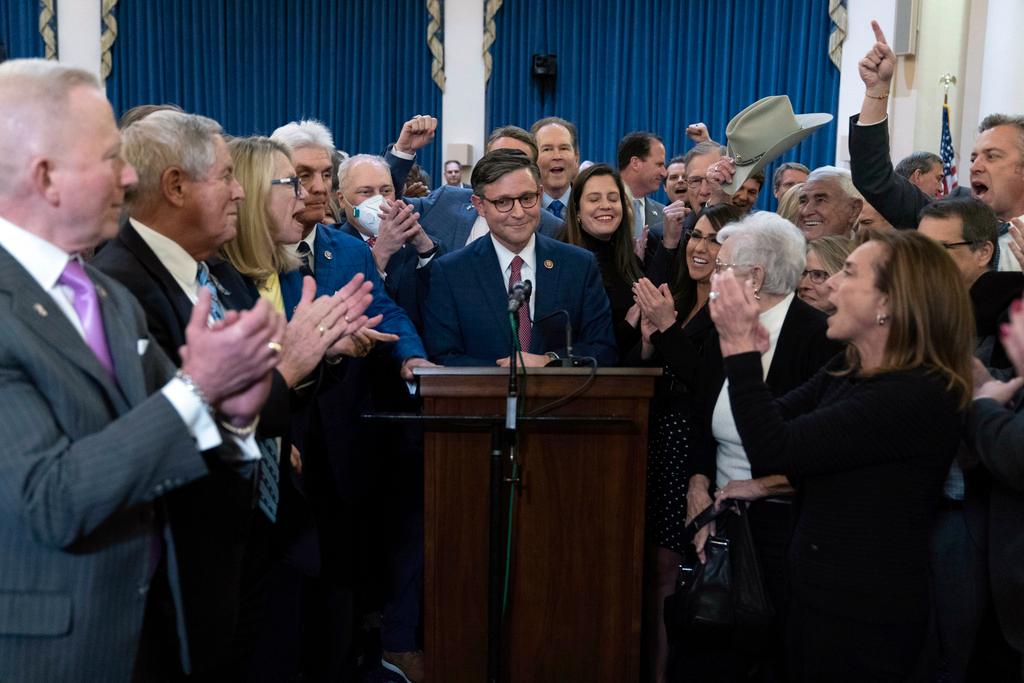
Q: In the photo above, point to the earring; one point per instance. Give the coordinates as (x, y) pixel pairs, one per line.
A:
(882, 318)
(757, 294)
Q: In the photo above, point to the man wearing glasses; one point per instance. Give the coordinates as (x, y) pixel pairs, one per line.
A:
(466, 316)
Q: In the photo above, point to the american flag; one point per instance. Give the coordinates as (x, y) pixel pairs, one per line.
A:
(949, 179)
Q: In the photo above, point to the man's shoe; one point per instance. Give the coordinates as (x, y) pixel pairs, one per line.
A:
(408, 665)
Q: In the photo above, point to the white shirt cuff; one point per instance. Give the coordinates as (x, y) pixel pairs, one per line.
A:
(881, 120)
(193, 413)
(402, 155)
(420, 261)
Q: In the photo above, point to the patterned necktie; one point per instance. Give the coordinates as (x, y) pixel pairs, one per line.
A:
(525, 327)
(267, 479)
(1003, 229)
(556, 207)
(372, 241)
(87, 306)
(204, 280)
(304, 255)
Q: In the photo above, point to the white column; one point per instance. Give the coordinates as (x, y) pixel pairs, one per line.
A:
(78, 34)
(463, 104)
(859, 39)
(1002, 75)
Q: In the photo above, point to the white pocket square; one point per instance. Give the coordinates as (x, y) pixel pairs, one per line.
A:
(143, 344)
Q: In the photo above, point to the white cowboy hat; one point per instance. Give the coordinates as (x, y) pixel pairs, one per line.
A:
(762, 132)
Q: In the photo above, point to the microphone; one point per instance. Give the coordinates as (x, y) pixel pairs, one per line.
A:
(519, 295)
(567, 361)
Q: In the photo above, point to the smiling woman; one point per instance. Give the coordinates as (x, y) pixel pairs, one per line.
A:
(869, 444)
(599, 219)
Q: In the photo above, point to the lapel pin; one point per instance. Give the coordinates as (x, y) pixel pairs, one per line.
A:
(549, 264)
(328, 255)
(40, 310)
(102, 292)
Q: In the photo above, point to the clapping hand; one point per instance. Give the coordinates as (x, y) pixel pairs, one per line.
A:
(736, 315)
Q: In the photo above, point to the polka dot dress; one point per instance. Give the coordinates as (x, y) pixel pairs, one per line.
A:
(667, 474)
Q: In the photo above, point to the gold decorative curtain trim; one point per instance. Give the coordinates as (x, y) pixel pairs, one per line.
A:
(837, 12)
(108, 34)
(436, 48)
(48, 28)
(490, 9)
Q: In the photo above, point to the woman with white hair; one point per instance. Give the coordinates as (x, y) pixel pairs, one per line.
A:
(766, 252)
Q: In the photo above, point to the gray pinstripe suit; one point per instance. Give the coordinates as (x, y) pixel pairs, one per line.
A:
(82, 461)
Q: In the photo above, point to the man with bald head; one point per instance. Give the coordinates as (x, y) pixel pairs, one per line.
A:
(96, 425)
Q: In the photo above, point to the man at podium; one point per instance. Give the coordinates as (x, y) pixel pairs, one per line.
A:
(468, 319)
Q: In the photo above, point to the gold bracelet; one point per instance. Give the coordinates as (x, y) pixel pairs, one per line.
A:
(876, 97)
(247, 430)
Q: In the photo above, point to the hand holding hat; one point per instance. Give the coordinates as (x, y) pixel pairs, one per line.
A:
(763, 132)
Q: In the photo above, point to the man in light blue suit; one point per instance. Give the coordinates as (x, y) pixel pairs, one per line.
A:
(466, 319)
(96, 425)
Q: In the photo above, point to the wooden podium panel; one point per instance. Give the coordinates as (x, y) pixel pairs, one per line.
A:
(577, 547)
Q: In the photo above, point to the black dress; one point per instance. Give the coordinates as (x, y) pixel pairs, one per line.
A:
(671, 432)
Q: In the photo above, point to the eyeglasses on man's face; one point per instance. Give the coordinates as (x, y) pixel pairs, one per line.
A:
(290, 180)
(505, 204)
(954, 245)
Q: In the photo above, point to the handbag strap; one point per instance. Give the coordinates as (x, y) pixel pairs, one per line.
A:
(710, 514)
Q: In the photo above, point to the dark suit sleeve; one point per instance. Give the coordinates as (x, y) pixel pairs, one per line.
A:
(997, 435)
(64, 488)
(594, 334)
(895, 197)
(399, 169)
(832, 438)
(395, 320)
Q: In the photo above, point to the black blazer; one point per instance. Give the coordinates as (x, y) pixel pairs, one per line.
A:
(405, 283)
(213, 520)
(802, 349)
(895, 197)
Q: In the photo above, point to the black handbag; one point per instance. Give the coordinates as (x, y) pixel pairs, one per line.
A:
(728, 590)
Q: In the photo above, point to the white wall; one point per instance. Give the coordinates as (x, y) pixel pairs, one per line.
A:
(78, 33)
(462, 119)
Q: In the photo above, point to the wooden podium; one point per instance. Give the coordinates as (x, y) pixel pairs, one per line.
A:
(576, 551)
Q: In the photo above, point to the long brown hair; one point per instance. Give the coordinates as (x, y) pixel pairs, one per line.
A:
(625, 260)
(931, 323)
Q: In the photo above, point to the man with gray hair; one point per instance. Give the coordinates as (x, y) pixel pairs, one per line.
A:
(786, 176)
(182, 211)
(97, 426)
(924, 170)
(829, 203)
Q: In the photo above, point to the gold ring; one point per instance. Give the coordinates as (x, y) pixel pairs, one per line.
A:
(274, 346)
(321, 329)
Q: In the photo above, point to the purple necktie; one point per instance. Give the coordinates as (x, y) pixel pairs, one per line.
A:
(87, 306)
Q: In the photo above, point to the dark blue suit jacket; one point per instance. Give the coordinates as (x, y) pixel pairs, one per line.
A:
(406, 282)
(448, 213)
(465, 315)
(338, 257)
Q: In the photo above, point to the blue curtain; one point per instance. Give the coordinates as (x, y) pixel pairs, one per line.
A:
(660, 64)
(19, 28)
(360, 66)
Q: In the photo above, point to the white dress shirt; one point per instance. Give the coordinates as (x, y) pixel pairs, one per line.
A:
(529, 267)
(45, 262)
(732, 463)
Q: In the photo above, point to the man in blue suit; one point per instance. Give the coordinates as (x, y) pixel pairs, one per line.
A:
(465, 316)
(96, 425)
(448, 213)
(401, 248)
(330, 430)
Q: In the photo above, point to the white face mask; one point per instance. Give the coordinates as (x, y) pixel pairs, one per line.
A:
(367, 213)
